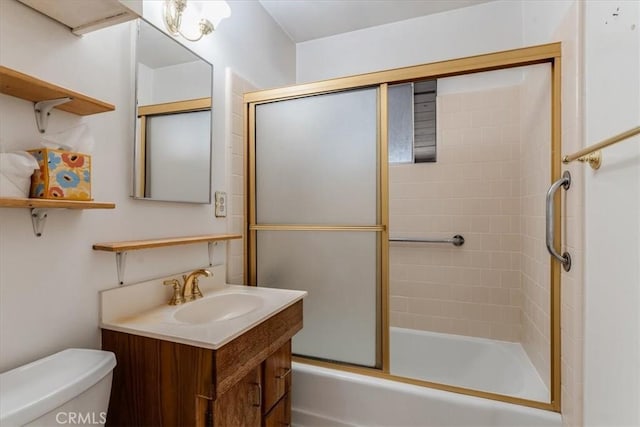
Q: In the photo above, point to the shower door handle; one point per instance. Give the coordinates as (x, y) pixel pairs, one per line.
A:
(564, 182)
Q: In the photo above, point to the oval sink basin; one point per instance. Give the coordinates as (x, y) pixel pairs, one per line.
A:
(217, 308)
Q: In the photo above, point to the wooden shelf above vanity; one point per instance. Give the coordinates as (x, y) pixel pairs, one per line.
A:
(121, 248)
(26, 87)
(132, 245)
(11, 202)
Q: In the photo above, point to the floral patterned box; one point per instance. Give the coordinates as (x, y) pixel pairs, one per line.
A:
(62, 175)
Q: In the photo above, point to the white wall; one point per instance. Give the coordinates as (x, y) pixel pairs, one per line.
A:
(612, 328)
(49, 285)
(468, 31)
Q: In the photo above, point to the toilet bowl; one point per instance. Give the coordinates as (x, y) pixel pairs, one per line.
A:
(71, 387)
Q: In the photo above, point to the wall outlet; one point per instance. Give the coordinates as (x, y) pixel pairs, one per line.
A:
(221, 204)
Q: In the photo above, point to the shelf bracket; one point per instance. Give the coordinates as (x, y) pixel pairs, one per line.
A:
(121, 258)
(210, 246)
(38, 218)
(43, 109)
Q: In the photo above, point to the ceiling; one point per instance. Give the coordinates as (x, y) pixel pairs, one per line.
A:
(305, 20)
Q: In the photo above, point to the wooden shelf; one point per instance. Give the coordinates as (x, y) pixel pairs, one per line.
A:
(39, 208)
(121, 248)
(133, 245)
(23, 86)
(10, 202)
(82, 17)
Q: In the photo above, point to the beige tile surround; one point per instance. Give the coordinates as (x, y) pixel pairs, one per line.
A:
(489, 185)
(471, 190)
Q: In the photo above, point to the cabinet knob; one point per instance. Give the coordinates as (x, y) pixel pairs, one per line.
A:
(285, 375)
(259, 403)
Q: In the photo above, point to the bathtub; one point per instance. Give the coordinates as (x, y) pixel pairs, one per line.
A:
(477, 363)
(324, 397)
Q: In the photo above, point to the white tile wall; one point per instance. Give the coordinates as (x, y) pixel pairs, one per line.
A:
(236, 87)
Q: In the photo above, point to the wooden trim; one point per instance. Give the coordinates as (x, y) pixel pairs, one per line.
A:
(15, 202)
(310, 227)
(198, 104)
(26, 87)
(555, 302)
(372, 372)
(453, 67)
(133, 245)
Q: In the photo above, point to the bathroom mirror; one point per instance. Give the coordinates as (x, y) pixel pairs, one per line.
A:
(172, 154)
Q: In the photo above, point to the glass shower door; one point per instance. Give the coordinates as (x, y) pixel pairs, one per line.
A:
(316, 221)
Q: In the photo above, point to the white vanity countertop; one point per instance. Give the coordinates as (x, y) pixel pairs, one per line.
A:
(152, 317)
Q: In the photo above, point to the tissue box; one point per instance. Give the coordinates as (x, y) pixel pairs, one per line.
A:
(62, 175)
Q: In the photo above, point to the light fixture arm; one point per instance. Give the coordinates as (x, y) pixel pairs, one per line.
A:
(173, 10)
(172, 13)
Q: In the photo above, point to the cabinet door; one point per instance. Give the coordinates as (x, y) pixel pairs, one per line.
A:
(276, 376)
(280, 415)
(240, 405)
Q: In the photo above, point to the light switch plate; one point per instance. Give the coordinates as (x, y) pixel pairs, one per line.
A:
(221, 204)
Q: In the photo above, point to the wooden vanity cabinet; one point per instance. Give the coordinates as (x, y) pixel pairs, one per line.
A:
(276, 381)
(246, 382)
(280, 415)
(241, 405)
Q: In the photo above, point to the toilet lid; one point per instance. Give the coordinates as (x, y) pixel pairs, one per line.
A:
(30, 391)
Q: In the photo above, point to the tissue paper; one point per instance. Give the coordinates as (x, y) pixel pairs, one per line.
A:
(62, 175)
(77, 139)
(15, 173)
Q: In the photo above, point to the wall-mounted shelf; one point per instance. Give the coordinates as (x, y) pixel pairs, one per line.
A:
(39, 208)
(121, 248)
(85, 16)
(46, 96)
(10, 202)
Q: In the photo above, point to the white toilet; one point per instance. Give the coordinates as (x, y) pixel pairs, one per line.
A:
(71, 387)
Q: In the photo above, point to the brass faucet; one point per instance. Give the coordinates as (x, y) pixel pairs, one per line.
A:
(177, 297)
(190, 289)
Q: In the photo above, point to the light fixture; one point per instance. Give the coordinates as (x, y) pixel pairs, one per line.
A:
(196, 19)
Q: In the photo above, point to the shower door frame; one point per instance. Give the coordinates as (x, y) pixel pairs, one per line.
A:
(541, 54)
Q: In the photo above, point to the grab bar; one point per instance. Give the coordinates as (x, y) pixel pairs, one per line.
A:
(564, 182)
(456, 240)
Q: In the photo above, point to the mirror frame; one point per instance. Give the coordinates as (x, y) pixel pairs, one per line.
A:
(138, 166)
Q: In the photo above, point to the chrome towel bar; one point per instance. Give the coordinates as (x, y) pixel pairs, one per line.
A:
(564, 182)
(456, 240)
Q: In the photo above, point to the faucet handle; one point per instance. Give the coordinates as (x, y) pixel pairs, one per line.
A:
(177, 297)
(195, 291)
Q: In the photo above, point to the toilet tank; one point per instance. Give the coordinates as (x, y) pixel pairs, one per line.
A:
(70, 387)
